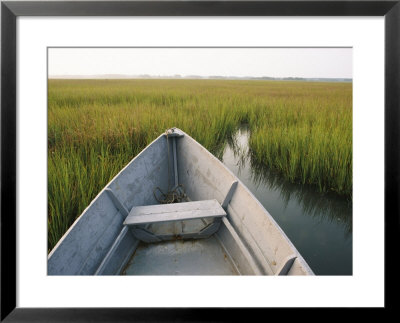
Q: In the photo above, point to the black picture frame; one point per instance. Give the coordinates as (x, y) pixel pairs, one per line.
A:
(10, 10)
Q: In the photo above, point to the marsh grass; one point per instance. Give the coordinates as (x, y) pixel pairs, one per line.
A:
(95, 127)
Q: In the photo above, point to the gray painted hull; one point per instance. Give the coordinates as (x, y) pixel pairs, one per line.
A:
(248, 240)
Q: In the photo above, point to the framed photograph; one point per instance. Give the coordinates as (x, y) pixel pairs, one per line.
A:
(273, 125)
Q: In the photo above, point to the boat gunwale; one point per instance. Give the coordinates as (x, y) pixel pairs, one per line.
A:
(98, 195)
(291, 245)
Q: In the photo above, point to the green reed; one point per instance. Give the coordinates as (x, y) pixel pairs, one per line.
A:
(95, 127)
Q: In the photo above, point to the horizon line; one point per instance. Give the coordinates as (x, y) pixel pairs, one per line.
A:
(178, 76)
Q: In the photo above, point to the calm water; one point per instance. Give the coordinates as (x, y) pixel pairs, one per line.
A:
(319, 225)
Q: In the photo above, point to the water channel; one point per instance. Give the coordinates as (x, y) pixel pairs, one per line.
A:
(318, 224)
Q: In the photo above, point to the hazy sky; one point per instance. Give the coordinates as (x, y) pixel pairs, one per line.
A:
(273, 62)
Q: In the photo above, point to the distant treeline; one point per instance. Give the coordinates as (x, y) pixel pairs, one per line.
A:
(211, 77)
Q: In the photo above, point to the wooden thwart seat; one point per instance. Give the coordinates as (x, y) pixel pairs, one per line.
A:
(140, 217)
(174, 212)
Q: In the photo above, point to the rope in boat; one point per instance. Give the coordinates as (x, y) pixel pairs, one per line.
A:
(175, 195)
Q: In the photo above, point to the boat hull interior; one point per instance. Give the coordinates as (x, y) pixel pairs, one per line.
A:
(242, 240)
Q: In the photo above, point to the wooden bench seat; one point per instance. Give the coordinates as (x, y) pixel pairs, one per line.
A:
(174, 212)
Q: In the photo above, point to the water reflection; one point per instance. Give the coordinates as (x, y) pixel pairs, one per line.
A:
(319, 224)
(323, 205)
